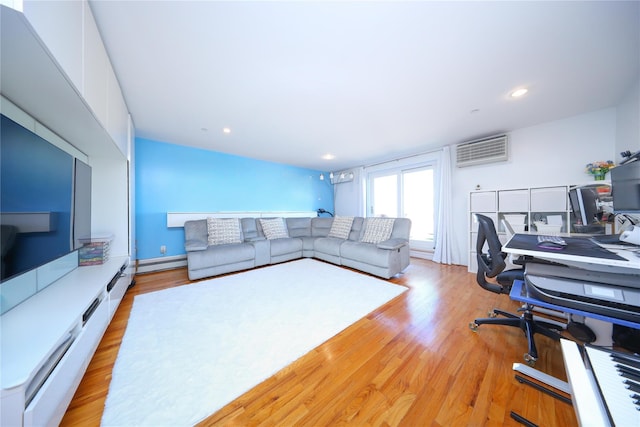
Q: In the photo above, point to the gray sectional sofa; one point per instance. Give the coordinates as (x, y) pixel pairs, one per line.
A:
(373, 245)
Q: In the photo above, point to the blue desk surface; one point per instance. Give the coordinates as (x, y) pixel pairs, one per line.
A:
(518, 293)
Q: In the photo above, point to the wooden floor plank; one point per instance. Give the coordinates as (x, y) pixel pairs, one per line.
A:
(412, 362)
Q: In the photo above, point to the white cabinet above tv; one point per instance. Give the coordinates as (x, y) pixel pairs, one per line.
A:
(33, 79)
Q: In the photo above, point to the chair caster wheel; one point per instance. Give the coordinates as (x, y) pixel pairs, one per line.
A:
(492, 314)
(473, 326)
(531, 361)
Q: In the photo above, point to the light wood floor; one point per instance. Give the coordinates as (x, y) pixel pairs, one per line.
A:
(412, 362)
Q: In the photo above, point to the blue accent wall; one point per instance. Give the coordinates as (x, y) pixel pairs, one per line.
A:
(176, 178)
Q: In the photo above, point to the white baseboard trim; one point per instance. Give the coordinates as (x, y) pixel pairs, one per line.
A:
(421, 254)
(164, 263)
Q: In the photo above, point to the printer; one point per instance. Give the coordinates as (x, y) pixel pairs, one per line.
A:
(609, 294)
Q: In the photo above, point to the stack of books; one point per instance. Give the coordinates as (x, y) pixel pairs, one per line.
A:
(94, 252)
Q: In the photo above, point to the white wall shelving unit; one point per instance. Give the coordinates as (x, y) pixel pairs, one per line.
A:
(535, 204)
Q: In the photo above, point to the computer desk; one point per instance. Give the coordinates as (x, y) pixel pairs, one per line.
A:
(591, 256)
(581, 252)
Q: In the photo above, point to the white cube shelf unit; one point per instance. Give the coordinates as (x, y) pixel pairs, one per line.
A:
(530, 204)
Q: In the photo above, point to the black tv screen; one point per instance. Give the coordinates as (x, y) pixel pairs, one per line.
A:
(40, 208)
(625, 188)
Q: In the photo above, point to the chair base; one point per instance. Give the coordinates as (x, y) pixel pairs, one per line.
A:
(529, 326)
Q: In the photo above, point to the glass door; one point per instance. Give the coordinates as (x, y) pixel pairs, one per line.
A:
(384, 195)
(408, 193)
(418, 202)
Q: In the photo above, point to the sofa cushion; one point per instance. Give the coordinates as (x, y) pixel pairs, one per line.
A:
(219, 255)
(356, 229)
(274, 228)
(286, 246)
(377, 230)
(195, 245)
(366, 253)
(392, 244)
(341, 227)
(328, 245)
(299, 227)
(250, 229)
(320, 227)
(401, 229)
(221, 231)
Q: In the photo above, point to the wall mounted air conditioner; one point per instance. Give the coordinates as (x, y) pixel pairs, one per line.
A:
(340, 177)
(487, 150)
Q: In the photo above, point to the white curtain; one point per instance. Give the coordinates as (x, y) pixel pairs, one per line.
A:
(443, 252)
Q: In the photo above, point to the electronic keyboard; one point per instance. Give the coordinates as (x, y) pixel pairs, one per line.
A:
(605, 384)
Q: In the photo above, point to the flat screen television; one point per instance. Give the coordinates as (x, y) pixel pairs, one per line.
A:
(625, 188)
(45, 200)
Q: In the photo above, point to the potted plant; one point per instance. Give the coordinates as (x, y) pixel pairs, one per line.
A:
(599, 169)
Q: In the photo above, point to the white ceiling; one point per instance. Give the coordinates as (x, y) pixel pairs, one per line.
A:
(364, 81)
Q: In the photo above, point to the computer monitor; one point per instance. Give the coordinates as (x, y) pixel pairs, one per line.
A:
(625, 188)
(585, 210)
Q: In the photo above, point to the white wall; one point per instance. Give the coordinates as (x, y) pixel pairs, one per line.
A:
(349, 196)
(110, 203)
(628, 121)
(553, 153)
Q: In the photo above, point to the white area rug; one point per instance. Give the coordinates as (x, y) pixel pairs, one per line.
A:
(190, 350)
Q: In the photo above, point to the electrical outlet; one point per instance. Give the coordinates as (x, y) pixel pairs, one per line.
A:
(163, 249)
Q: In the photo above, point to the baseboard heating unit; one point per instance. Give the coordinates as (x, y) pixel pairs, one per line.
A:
(160, 264)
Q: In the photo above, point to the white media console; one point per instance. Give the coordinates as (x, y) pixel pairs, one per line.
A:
(49, 340)
(70, 96)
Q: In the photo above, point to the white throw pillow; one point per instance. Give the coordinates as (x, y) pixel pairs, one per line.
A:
(377, 230)
(223, 230)
(274, 228)
(341, 227)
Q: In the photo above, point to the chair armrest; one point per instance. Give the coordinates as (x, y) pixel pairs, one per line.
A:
(392, 244)
(195, 245)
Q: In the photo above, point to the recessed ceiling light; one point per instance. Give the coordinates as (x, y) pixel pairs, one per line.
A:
(328, 156)
(226, 130)
(519, 92)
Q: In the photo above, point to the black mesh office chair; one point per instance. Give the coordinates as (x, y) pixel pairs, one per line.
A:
(491, 264)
